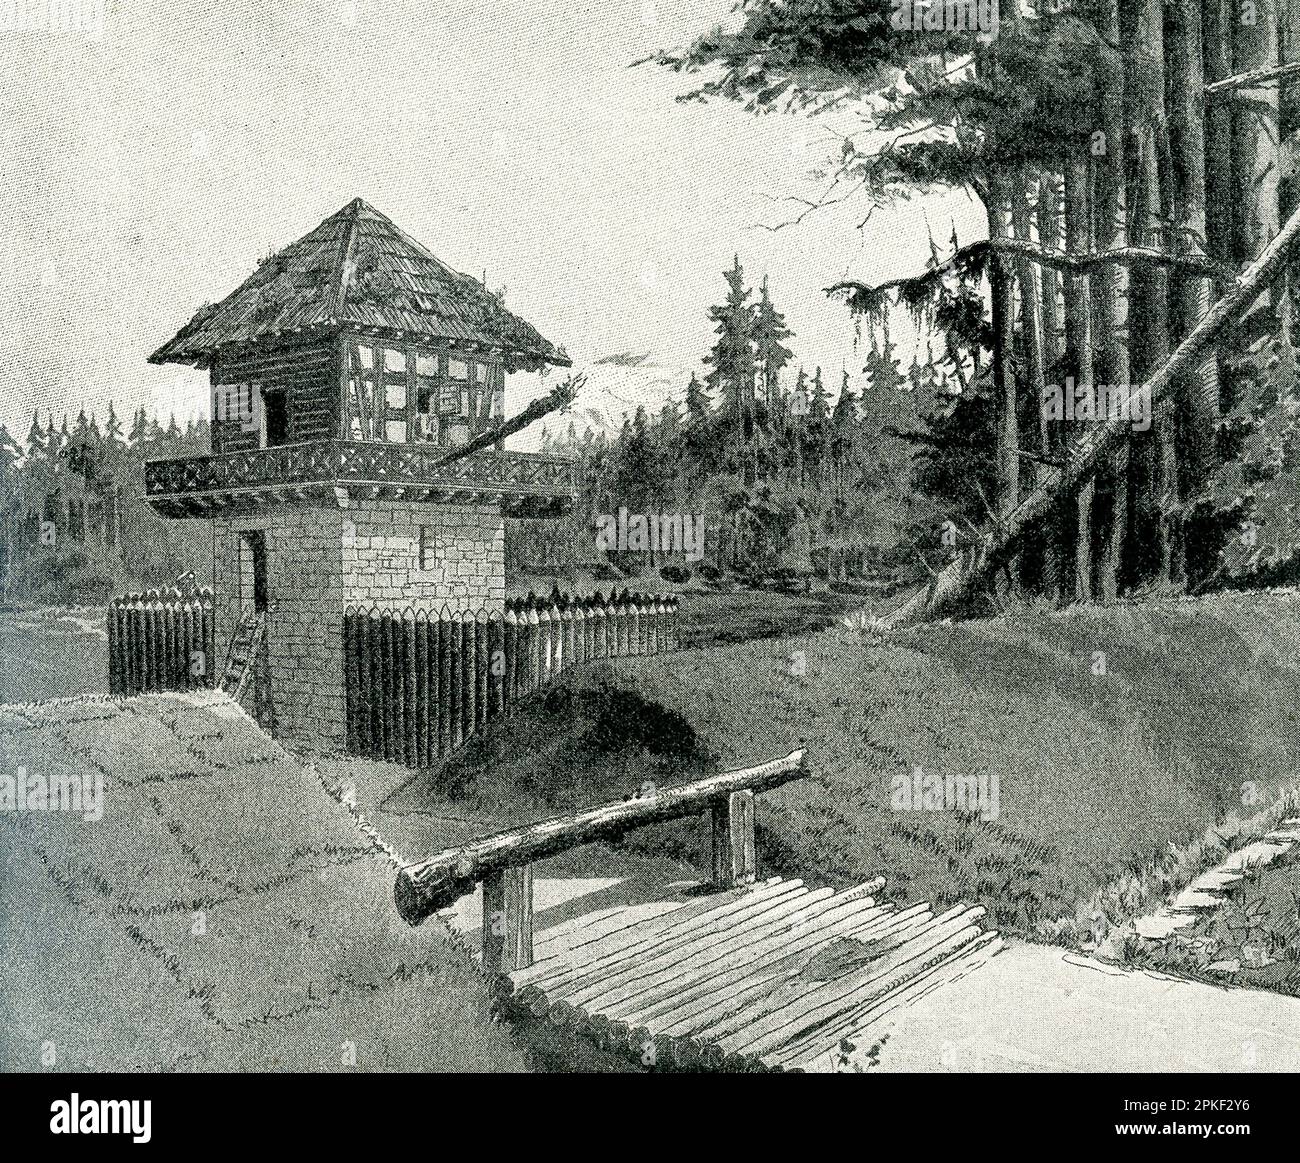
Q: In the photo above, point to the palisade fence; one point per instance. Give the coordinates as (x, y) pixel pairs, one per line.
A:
(419, 685)
(161, 640)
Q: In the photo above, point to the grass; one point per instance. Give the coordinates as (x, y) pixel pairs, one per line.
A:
(52, 653)
(234, 915)
(1103, 769)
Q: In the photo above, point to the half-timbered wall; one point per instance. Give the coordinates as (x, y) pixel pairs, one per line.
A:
(402, 392)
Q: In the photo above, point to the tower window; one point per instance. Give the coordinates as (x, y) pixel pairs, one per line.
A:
(428, 547)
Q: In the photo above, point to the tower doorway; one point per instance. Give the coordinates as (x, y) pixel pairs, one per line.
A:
(252, 572)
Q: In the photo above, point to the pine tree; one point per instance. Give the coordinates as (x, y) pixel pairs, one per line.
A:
(731, 361)
(818, 400)
(36, 442)
(769, 332)
(139, 435)
(697, 400)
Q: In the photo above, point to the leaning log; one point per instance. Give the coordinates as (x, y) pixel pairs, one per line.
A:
(440, 881)
(559, 397)
(954, 585)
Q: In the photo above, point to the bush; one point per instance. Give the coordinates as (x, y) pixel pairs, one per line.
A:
(710, 572)
(677, 574)
(65, 577)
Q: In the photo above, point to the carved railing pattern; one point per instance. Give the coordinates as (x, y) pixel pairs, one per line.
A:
(344, 462)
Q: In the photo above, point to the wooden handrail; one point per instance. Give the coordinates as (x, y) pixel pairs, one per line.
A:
(437, 883)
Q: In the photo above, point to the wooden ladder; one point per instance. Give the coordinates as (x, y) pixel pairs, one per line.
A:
(242, 652)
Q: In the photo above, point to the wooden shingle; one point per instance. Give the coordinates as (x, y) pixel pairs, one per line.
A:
(359, 269)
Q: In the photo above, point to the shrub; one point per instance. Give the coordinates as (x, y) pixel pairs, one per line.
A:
(62, 577)
(677, 574)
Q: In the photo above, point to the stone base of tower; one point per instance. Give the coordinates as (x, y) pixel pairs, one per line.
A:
(305, 565)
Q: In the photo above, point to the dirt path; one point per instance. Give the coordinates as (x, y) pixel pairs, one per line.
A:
(1039, 1008)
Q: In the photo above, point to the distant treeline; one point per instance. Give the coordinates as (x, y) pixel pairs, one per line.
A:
(74, 526)
(792, 474)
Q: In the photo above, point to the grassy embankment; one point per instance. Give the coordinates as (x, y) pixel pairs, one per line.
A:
(226, 913)
(1105, 779)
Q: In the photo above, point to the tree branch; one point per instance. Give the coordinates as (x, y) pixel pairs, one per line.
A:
(1250, 80)
(1057, 259)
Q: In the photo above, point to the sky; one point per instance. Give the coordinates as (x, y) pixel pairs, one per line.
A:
(146, 165)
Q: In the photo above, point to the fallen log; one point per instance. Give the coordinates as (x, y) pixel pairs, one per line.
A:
(953, 585)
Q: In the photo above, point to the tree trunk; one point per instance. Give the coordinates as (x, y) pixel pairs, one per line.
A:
(1007, 439)
(1031, 334)
(1216, 27)
(1150, 483)
(1197, 394)
(1256, 158)
(1048, 221)
(1077, 518)
(1288, 42)
(1110, 300)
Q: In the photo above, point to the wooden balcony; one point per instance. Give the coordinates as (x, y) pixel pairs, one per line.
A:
(526, 484)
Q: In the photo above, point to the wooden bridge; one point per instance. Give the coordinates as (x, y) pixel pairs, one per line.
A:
(770, 975)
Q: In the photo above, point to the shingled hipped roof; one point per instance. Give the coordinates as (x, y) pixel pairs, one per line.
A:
(358, 269)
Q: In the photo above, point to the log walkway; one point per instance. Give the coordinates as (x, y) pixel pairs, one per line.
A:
(768, 976)
(750, 976)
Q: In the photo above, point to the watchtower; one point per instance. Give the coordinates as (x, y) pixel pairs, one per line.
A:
(358, 389)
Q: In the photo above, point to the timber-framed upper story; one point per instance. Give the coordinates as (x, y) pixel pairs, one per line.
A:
(354, 334)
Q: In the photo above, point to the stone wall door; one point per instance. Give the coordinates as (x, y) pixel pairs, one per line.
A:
(252, 572)
(253, 599)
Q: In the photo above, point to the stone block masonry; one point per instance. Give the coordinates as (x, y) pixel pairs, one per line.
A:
(319, 560)
(424, 555)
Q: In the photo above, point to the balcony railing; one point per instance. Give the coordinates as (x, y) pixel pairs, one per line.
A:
(200, 485)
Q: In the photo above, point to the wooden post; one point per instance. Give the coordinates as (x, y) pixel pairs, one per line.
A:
(455, 701)
(167, 641)
(392, 738)
(350, 679)
(114, 685)
(420, 660)
(445, 732)
(512, 655)
(735, 859)
(566, 638)
(433, 681)
(209, 641)
(508, 919)
(544, 653)
(468, 675)
(193, 643)
(482, 665)
(496, 663)
(534, 648)
(140, 651)
(410, 685)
